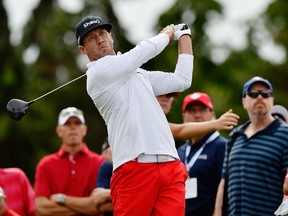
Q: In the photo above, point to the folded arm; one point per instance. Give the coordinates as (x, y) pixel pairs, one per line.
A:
(47, 207)
(81, 205)
(107, 207)
(73, 205)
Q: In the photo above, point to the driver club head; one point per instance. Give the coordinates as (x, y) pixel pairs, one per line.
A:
(16, 108)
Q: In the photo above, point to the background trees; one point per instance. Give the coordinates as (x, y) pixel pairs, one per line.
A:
(50, 34)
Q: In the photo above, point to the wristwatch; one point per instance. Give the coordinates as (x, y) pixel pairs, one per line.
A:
(61, 199)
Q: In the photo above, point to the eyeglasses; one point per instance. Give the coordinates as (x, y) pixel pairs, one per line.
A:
(200, 110)
(73, 122)
(263, 93)
(72, 113)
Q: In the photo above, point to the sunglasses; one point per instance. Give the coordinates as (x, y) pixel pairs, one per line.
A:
(263, 93)
(72, 113)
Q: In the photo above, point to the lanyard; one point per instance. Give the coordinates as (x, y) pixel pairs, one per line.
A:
(196, 155)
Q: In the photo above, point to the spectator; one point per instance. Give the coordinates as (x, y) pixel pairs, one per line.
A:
(280, 112)
(283, 208)
(4, 210)
(256, 157)
(203, 157)
(64, 180)
(106, 150)
(19, 192)
(106, 169)
(104, 177)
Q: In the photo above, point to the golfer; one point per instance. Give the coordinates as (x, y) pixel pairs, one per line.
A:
(148, 178)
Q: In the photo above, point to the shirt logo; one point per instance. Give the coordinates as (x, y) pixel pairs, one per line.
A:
(203, 157)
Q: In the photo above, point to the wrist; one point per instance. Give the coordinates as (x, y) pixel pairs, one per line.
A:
(61, 199)
(215, 124)
(189, 36)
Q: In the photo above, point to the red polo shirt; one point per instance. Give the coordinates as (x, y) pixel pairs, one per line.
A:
(19, 192)
(10, 212)
(64, 173)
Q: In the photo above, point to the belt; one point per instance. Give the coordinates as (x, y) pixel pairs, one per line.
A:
(145, 158)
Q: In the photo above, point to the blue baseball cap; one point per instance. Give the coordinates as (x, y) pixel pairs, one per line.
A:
(255, 79)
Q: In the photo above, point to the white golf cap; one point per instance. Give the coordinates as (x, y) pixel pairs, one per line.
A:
(65, 114)
(2, 194)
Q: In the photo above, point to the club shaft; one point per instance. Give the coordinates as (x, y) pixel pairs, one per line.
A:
(62, 86)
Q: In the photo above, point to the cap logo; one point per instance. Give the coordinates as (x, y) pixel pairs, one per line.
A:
(85, 25)
(195, 96)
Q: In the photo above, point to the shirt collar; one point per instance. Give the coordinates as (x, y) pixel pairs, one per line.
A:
(83, 151)
(269, 129)
(202, 141)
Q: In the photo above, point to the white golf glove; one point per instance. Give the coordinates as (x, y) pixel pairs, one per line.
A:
(181, 29)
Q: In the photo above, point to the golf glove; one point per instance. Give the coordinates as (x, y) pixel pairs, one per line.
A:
(181, 29)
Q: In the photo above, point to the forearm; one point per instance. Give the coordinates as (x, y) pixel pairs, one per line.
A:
(101, 195)
(285, 186)
(184, 67)
(158, 42)
(219, 199)
(82, 205)
(46, 207)
(185, 45)
(192, 129)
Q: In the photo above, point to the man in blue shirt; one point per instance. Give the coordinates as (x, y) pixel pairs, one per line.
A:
(203, 157)
(105, 175)
(256, 160)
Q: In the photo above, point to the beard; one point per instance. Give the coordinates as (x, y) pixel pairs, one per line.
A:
(259, 113)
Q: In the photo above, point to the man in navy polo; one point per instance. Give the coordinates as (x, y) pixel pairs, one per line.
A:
(203, 157)
(257, 156)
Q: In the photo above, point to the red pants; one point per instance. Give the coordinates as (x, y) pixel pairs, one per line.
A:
(149, 189)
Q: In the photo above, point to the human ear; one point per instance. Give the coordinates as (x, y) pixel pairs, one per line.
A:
(82, 49)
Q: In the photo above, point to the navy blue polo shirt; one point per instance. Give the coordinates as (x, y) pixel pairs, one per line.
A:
(104, 178)
(207, 168)
(257, 167)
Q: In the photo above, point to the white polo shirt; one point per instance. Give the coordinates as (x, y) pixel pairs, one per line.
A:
(124, 94)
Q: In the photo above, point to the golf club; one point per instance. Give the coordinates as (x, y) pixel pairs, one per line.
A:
(17, 108)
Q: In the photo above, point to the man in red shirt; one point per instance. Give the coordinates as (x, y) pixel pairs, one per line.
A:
(4, 209)
(19, 192)
(64, 181)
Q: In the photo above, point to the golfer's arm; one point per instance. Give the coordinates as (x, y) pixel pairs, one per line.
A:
(185, 45)
(192, 129)
(219, 199)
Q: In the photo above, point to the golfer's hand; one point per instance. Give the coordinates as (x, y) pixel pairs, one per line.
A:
(180, 30)
(169, 30)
